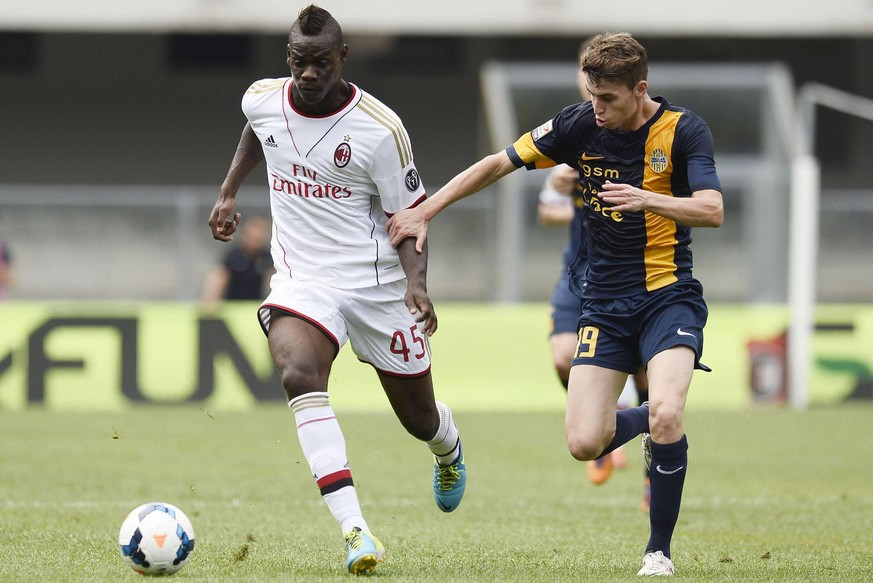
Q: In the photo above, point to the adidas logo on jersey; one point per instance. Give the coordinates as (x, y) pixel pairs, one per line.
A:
(271, 143)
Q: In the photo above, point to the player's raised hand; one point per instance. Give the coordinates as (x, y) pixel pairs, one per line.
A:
(408, 223)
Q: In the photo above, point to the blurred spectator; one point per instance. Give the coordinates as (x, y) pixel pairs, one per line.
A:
(5, 270)
(245, 271)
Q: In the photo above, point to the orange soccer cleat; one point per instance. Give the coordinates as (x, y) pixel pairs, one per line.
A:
(600, 469)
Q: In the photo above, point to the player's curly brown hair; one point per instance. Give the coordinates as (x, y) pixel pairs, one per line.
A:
(616, 57)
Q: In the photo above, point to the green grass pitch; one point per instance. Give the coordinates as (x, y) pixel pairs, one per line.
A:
(771, 495)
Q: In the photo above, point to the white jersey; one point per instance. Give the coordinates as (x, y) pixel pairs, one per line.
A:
(333, 180)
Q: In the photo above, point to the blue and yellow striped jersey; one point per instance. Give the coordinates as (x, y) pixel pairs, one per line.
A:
(626, 254)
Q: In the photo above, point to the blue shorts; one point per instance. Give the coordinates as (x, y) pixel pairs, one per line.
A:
(566, 307)
(625, 333)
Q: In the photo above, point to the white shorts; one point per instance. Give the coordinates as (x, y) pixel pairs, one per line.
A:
(375, 319)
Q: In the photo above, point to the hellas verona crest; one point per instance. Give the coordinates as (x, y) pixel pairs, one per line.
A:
(658, 160)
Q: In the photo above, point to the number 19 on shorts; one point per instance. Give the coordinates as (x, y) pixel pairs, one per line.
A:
(587, 345)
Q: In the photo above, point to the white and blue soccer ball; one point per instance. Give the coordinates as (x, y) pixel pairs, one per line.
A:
(156, 539)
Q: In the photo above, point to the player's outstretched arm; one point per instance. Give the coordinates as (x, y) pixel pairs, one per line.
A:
(413, 222)
(224, 220)
(414, 264)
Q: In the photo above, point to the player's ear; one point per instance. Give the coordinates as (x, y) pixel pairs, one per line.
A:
(641, 88)
(344, 53)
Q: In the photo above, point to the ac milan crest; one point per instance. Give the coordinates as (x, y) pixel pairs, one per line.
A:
(342, 155)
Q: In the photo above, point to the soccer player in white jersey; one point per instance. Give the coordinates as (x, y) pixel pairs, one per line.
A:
(339, 163)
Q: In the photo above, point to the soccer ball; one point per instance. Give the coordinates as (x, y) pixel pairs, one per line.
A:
(156, 539)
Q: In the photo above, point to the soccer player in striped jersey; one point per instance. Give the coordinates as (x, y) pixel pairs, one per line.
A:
(647, 174)
(561, 203)
(339, 163)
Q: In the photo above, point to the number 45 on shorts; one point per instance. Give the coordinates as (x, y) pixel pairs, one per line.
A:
(402, 341)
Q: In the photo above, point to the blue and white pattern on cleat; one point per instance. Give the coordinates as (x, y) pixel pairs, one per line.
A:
(449, 483)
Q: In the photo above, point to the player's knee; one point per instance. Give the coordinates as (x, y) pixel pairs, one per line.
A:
(665, 420)
(584, 448)
(298, 381)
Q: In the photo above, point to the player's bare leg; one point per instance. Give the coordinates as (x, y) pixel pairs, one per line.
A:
(563, 349)
(431, 421)
(590, 421)
(594, 427)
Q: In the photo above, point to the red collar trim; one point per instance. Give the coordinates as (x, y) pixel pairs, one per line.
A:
(339, 109)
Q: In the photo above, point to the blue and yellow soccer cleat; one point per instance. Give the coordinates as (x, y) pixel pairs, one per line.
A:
(365, 552)
(449, 483)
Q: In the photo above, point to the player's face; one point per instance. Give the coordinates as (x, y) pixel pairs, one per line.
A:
(316, 66)
(616, 106)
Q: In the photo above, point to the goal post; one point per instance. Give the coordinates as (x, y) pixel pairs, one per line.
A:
(803, 256)
(804, 228)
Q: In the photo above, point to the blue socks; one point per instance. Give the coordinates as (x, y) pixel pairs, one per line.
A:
(628, 424)
(667, 476)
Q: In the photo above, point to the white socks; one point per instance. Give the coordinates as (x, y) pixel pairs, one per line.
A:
(446, 442)
(324, 447)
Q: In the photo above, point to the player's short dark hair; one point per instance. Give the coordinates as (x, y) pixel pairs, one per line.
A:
(314, 20)
(616, 57)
